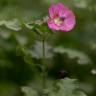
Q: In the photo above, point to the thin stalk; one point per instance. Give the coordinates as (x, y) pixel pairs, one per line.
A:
(44, 62)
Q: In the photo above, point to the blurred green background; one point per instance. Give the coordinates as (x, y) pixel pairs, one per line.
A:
(74, 51)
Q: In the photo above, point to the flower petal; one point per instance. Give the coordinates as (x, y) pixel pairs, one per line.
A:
(63, 12)
(52, 11)
(60, 6)
(52, 25)
(70, 21)
(69, 24)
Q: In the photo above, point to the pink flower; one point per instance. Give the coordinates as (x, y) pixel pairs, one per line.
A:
(61, 18)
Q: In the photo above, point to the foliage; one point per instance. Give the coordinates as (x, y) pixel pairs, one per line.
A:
(74, 52)
(63, 87)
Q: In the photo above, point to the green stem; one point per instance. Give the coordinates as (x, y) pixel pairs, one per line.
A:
(43, 62)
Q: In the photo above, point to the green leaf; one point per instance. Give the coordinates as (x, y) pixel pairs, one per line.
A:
(15, 25)
(42, 26)
(83, 58)
(78, 93)
(11, 24)
(29, 91)
(62, 87)
(28, 25)
(65, 87)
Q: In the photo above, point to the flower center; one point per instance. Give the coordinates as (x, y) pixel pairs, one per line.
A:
(59, 20)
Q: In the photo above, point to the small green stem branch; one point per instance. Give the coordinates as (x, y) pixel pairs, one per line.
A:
(43, 62)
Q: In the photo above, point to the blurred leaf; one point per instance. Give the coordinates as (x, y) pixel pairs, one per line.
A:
(29, 25)
(29, 91)
(65, 87)
(36, 52)
(78, 93)
(42, 26)
(82, 57)
(81, 3)
(11, 24)
(22, 40)
(4, 34)
(14, 25)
